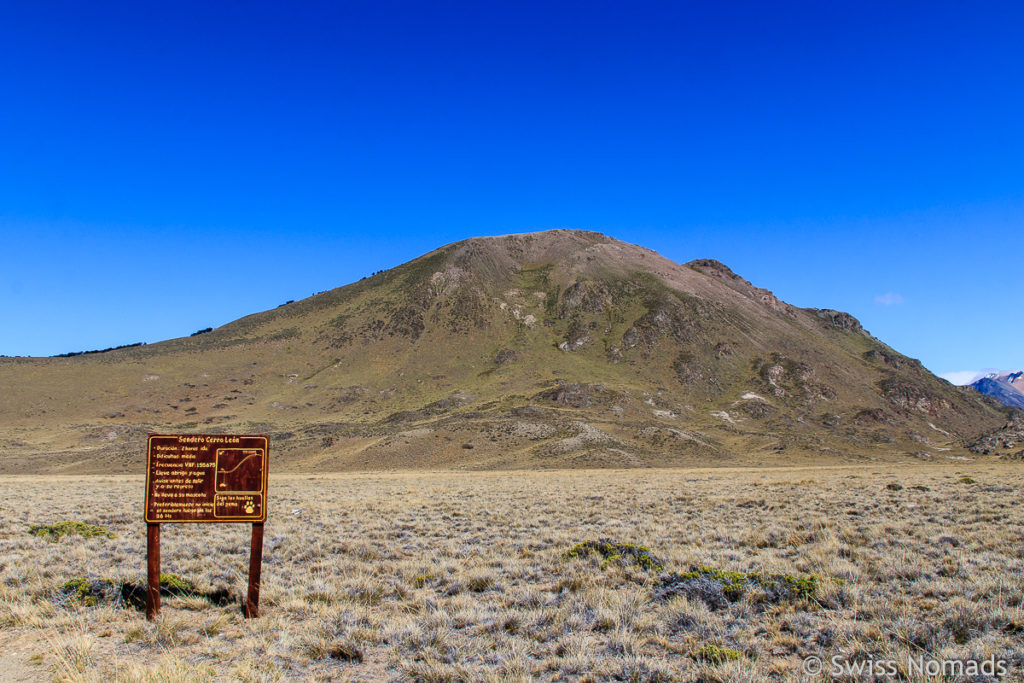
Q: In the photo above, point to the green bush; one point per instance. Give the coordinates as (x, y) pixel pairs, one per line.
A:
(54, 532)
(90, 592)
(716, 654)
(172, 584)
(617, 552)
(718, 587)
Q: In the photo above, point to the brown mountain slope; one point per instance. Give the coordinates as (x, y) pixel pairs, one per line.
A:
(554, 349)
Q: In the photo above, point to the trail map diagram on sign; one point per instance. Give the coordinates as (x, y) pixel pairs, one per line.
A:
(239, 469)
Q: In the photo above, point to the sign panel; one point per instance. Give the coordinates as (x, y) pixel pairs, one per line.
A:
(206, 478)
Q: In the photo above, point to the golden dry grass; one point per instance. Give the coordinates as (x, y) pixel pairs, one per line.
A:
(449, 577)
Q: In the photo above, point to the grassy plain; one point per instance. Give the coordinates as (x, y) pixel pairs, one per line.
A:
(470, 576)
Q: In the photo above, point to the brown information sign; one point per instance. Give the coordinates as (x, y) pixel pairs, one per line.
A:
(206, 478)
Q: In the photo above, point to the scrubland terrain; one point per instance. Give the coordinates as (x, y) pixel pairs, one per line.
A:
(480, 576)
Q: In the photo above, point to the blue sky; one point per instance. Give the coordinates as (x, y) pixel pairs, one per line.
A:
(165, 168)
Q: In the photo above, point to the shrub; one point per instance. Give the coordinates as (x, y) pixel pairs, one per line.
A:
(172, 584)
(617, 552)
(90, 592)
(421, 580)
(717, 588)
(716, 654)
(54, 532)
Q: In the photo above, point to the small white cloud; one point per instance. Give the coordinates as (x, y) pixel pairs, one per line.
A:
(963, 377)
(889, 299)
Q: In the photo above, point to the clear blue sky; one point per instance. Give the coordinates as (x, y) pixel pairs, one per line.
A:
(861, 156)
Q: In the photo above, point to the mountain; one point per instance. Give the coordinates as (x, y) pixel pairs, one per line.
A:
(555, 349)
(1005, 387)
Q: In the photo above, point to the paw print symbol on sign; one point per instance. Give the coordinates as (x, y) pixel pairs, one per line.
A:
(250, 508)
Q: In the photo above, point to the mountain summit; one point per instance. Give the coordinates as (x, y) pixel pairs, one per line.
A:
(1006, 387)
(556, 349)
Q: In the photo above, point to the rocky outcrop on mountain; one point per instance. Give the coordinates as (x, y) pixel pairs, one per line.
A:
(876, 356)
(907, 394)
(1002, 440)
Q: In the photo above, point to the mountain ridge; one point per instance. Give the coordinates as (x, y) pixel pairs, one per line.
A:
(538, 350)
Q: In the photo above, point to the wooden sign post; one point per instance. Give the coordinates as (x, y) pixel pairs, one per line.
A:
(205, 478)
